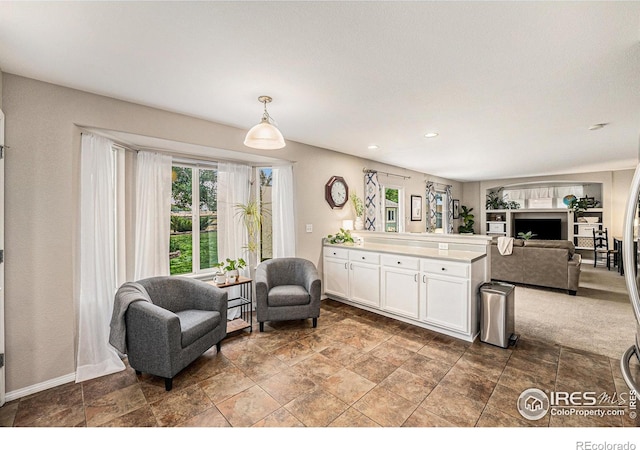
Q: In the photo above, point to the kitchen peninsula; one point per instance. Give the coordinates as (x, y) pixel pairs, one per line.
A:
(427, 279)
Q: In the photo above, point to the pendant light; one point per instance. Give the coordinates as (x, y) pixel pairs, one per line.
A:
(265, 135)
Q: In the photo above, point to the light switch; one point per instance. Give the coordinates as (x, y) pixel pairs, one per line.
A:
(309, 228)
(443, 246)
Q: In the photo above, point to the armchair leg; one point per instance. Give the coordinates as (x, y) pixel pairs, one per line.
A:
(315, 322)
(261, 327)
(218, 346)
(168, 383)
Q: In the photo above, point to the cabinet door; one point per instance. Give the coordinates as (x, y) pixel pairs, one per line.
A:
(445, 302)
(364, 283)
(336, 277)
(400, 291)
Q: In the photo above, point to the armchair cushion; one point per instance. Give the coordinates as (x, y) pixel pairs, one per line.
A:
(194, 324)
(288, 295)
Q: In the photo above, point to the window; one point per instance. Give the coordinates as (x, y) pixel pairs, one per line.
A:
(441, 211)
(264, 194)
(393, 209)
(193, 228)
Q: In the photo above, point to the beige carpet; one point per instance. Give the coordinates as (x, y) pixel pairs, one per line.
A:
(598, 319)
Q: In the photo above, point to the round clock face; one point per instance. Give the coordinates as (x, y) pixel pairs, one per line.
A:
(336, 192)
(339, 193)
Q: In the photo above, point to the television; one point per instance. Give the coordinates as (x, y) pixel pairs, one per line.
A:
(541, 228)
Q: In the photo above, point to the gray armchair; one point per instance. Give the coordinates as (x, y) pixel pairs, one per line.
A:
(287, 289)
(185, 318)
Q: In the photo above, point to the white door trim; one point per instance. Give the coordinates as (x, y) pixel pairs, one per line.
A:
(2, 352)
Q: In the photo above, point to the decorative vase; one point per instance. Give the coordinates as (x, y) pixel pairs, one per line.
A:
(220, 278)
(359, 223)
(233, 276)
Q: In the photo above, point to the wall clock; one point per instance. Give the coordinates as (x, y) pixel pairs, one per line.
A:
(336, 192)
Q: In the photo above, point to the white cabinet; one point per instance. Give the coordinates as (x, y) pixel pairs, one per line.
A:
(429, 291)
(352, 275)
(336, 271)
(445, 296)
(400, 285)
(364, 278)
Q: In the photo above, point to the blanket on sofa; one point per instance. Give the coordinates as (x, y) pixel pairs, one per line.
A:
(128, 293)
(505, 245)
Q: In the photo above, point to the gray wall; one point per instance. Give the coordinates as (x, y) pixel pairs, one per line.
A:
(42, 178)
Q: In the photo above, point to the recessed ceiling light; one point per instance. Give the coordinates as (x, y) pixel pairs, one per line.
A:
(598, 126)
(373, 147)
(431, 134)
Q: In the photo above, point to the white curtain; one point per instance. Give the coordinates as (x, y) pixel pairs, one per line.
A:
(282, 215)
(153, 208)
(543, 192)
(233, 188)
(97, 265)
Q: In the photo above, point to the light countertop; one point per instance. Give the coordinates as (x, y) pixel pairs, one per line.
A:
(420, 252)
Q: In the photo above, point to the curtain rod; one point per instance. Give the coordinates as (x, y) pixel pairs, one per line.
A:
(436, 183)
(365, 170)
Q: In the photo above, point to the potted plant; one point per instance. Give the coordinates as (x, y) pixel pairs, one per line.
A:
(342, 237)
(467, 220)
(526, 236)
(580, 206)
(219, 276)
(358, 207)
(232, 267)
(496, 201)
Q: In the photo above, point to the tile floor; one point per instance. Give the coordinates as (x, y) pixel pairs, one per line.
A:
(356, 369)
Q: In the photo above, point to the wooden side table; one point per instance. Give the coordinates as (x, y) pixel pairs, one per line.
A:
(244, 302)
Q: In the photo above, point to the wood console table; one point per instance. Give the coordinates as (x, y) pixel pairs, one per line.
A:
(244, 302)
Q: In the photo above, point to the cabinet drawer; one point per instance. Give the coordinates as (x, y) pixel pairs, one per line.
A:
(333, 252)
(404, 262)
(444, 267)
(368, 257)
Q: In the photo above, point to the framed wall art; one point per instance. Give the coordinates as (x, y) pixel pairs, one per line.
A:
(416, 208)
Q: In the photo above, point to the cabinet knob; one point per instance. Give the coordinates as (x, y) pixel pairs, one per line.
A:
(444, 269)
(399, 262)
(363, 257)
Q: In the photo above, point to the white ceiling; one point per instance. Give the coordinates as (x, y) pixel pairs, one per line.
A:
(512, 87)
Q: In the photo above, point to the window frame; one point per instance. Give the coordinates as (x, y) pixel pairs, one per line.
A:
(195, 167)
(444, 198)
(400, 216)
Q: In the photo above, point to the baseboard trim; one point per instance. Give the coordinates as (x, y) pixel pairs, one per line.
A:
(35, 388)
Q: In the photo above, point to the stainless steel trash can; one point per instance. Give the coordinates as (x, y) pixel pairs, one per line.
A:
(497, 322)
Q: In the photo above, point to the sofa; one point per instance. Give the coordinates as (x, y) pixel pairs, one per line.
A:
(546, 263)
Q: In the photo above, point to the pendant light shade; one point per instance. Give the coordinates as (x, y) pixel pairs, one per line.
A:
(265, 135)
